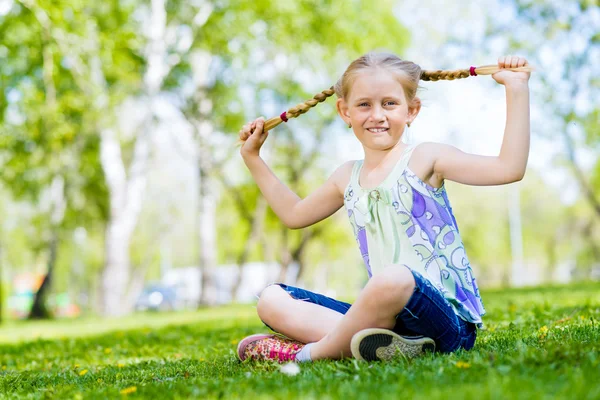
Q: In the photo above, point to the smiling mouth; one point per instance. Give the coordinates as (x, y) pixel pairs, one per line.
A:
(377, 130)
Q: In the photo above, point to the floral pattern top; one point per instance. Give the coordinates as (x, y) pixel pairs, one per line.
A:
(405, 221)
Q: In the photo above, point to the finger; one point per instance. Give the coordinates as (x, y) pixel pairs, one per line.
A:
(522, 62)
(514, 62)
(260, 123)
(501, 61)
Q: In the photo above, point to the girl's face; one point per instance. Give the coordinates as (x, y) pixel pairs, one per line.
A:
(377, 109)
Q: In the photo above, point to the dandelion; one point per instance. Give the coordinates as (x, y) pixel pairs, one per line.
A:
(120, 365)
(83, 372)
(107, 351)
(290, 369)
(462, 364)
(129, 390)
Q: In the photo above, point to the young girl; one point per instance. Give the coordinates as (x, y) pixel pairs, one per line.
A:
(421, 294)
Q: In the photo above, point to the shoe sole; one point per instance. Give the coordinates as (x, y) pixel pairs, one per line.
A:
(247, 340)
(382, 344)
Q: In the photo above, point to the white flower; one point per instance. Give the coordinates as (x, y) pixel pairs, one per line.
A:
(290, 369)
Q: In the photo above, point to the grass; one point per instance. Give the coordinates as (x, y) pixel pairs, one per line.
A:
(539, 343)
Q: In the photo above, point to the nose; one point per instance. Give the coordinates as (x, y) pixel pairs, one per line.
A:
(377, 113)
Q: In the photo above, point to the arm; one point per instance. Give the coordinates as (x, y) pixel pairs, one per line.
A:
(509, 166)
(293, 211)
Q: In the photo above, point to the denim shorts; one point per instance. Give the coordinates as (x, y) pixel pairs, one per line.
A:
(427, 313)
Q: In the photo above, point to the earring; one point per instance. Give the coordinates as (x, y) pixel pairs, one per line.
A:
(349, 125)
(408, 124)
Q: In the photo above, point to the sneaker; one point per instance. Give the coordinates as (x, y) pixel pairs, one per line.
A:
(268, 347)
(382, 344)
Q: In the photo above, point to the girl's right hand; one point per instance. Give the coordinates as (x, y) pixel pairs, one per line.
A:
(253, 136)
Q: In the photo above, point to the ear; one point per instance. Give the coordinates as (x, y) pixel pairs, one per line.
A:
(413, 111)
(342, 109)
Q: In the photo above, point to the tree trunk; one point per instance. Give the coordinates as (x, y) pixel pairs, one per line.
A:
(256, 228)
(115, 275)
(126, 195)
(39, 310)
(125, 206)
(298, 253)
(285, 256)
(207, 236)
(57, 213)
(579, 174)
(551, 257)
(207, 201)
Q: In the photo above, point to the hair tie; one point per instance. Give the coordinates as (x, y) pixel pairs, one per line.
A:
(472, 71)
(283, 116)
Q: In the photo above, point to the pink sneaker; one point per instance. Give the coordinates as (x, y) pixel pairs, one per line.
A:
(268, 347)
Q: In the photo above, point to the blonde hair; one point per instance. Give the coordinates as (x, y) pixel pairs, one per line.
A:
(409, 72)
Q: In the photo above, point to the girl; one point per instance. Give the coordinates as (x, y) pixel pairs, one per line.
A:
(421, 294)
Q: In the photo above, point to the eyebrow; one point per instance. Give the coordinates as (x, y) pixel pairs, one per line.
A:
(385, 98)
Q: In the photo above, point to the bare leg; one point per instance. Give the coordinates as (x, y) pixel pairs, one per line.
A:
(297, 319)
(384, 296)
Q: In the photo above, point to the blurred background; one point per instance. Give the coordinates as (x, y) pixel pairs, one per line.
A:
(121, 187)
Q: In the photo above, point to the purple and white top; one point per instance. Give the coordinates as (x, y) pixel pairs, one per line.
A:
(408, 222)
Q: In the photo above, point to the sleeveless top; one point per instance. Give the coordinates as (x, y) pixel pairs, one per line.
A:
(408, 222)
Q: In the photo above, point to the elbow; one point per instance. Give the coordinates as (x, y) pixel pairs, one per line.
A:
(516, 176)
(293, 225)
(292, 220)
(290, 223)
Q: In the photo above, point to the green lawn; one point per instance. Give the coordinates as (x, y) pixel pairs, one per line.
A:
(539, 343)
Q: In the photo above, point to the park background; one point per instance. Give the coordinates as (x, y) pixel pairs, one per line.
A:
(121, 177)
(122, 191)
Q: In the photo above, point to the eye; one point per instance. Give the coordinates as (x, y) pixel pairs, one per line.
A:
(391, 102)
(363, 104)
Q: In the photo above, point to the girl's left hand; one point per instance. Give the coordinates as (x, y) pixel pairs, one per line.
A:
(508, 77)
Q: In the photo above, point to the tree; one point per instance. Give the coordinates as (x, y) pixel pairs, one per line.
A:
(42, 138)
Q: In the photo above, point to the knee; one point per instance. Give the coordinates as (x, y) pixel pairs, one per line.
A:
(395, 283)
(269, 302)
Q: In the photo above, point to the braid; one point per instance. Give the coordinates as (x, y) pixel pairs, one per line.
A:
(299, 109)
(444, 75)
(438, 74)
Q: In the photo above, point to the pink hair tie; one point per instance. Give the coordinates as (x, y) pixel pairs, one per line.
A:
(283, 116)
(472, 71)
